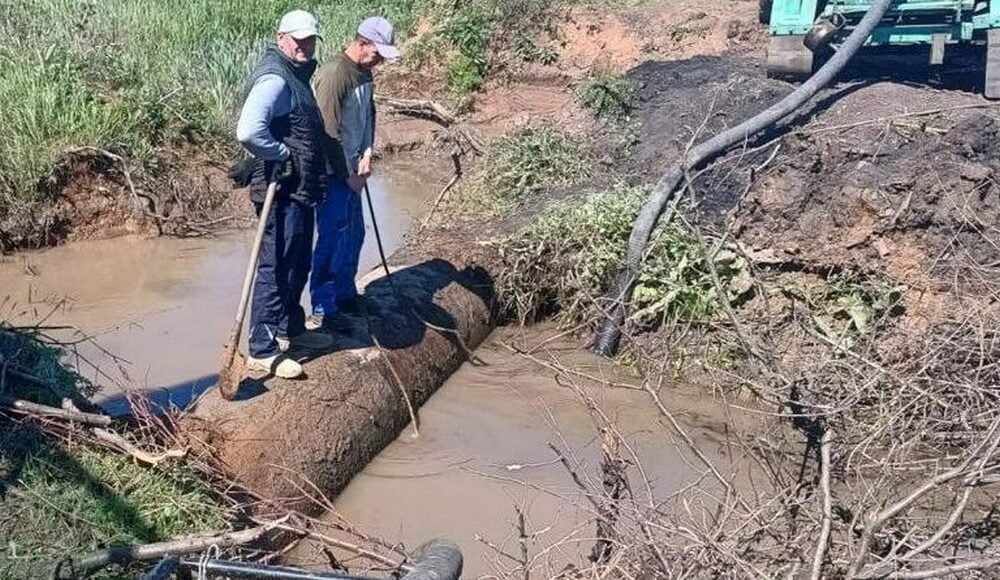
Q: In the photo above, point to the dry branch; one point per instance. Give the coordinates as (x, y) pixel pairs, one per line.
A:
(126, 554)
(123, 444)
(30, 408)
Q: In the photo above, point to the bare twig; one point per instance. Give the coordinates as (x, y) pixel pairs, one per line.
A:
(123, 444)
(30, 408)
(824, 535)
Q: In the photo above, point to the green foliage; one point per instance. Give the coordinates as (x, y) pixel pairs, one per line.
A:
(135, 75)
(847, 307)
(607, 95)
(478, 38)
(64, 497)
(530, 160)
(462, 75)
(566, 258)
(87, 499)
(468, 31)
(528, 51)
(28, 350)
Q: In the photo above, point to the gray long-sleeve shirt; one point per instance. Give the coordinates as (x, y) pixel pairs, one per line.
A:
(269, 97)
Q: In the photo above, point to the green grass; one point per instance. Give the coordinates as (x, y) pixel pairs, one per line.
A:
(88, 499)
(134, 75)
(61, 496)
(564, 260)
(524, 163)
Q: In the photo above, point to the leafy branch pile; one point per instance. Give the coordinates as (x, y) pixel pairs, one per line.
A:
(564, 260)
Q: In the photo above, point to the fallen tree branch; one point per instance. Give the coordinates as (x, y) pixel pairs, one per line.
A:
(455, 159)
(123, 444)
(30, 408)
(420, 108)
(126, 554)
(353, 548)
(429, 111)
(947, 570)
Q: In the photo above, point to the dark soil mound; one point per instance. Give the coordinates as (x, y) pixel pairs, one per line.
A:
(685, 102)
(888, 176)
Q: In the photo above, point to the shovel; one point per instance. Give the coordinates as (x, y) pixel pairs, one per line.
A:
(233, 363)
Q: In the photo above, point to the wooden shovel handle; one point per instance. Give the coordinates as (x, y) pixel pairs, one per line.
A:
(241, 310)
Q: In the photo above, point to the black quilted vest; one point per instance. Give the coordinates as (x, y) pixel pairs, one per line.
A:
(301, 130)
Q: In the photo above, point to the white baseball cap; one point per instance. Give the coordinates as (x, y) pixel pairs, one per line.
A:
(299, 24)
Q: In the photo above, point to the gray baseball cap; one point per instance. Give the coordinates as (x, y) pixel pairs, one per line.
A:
(379, 31)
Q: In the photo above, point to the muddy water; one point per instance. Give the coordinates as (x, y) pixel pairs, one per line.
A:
(164, 306)
(484, 449)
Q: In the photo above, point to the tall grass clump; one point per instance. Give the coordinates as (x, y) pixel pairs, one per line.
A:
(564, 261)
(607, 95)
(134, 75)
(478, 39)
(527, 162)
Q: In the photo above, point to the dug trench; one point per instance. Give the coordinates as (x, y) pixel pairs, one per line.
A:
(883, 178)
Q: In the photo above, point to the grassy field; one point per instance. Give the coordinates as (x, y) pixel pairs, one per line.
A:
(131, 76)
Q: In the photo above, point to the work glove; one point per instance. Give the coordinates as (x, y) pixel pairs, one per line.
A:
(279, 171)
(241, 172)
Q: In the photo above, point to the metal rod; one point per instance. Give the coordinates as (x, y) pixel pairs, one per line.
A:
(261, 572)
(378, 238)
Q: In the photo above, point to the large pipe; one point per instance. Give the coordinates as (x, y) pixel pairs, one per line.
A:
(608, 336)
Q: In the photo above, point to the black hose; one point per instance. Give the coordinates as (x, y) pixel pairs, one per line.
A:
(436, 560)
(608, 336)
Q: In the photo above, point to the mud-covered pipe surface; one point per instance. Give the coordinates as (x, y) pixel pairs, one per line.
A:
(292, 440)
(609, 334)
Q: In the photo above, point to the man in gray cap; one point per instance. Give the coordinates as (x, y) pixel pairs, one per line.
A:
(345, 92)
(281, 126)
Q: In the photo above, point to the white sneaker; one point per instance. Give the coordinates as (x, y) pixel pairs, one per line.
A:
(313, 341)
(280, 365)
(314, 322)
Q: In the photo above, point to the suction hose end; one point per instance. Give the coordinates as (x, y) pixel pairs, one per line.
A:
(608, 336)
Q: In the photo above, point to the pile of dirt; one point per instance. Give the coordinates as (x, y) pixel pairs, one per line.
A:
(683, 102)
(859, 183)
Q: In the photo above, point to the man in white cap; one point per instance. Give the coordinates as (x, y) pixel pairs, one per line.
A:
(345, 92)
(281, 126)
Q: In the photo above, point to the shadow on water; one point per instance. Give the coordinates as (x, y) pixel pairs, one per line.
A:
(177, 396)
(394, 312)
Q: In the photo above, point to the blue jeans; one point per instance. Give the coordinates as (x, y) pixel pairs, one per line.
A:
(340, 227)
(282, 272)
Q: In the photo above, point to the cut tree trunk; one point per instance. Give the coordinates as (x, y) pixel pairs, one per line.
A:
(281, 437)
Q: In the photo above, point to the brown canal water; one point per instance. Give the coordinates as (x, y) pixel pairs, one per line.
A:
(164, 306)
(483, 453)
